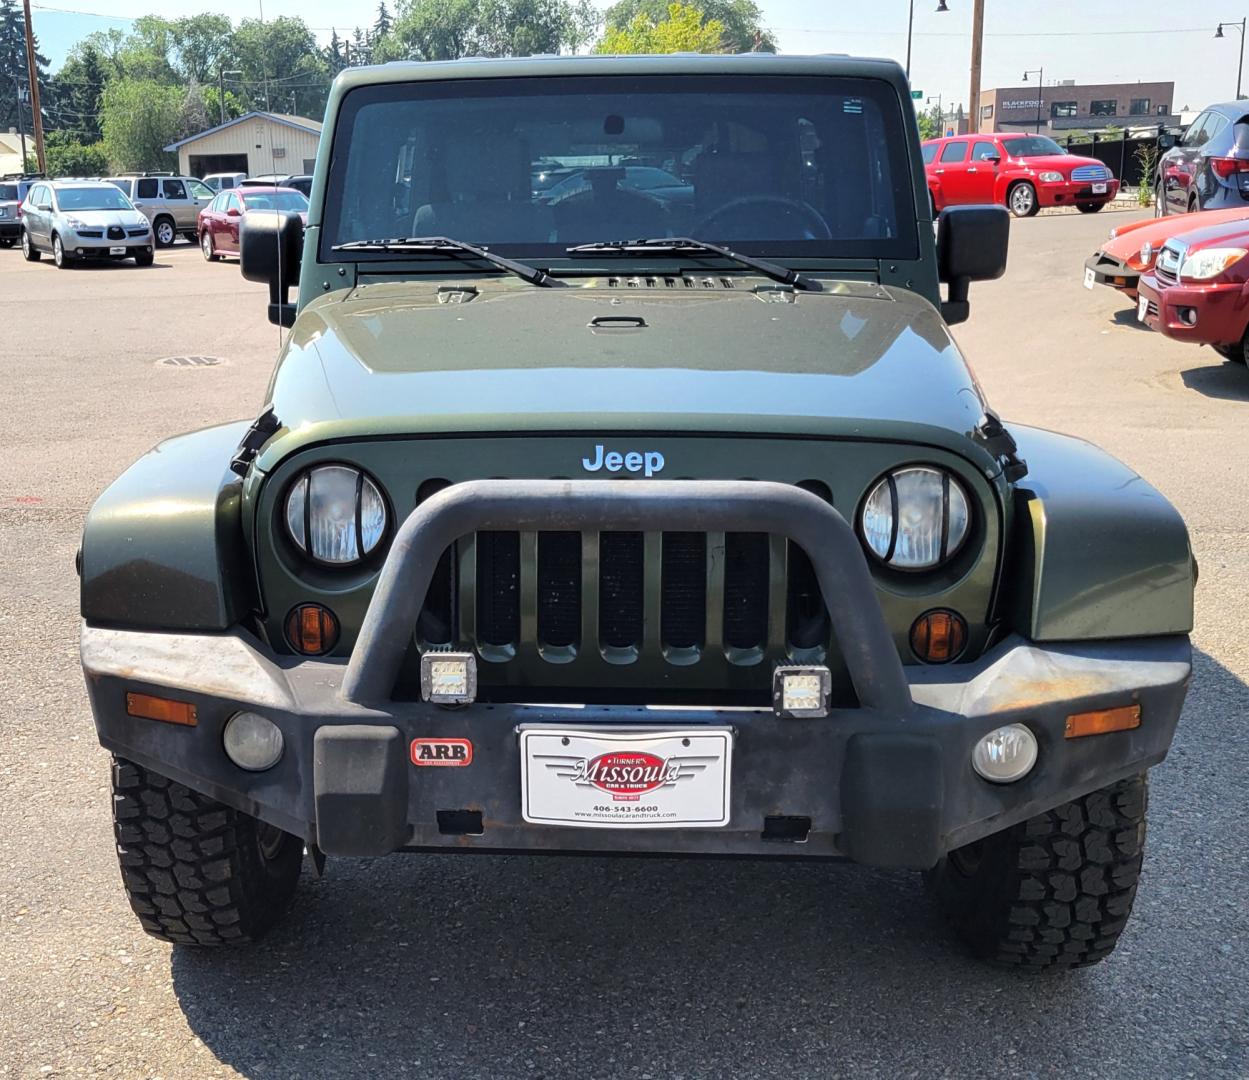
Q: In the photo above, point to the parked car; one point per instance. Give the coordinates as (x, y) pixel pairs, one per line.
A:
(83, 219)
(11, 197)
(1132, 248)
(219, 221)
(265, 180)
(1208, 167)
(302, 184)
(789, 586)
(1021, 172)
(223, 181)
(171, 203)
(1199, 289)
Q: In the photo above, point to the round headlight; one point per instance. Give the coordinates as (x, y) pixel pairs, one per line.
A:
(915, 518)
(336, 514)
(252, 741)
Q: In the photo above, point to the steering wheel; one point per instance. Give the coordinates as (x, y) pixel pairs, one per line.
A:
(805, 210)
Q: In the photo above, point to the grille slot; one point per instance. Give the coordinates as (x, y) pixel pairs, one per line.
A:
(621, 568)
(745, 589)
(498, 588)
(683, 596)
(559, 588)
(116, 232)
(806, 618)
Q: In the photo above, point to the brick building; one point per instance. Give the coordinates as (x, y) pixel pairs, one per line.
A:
(1067, 106)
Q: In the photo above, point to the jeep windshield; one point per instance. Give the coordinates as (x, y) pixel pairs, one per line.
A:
(788, 166)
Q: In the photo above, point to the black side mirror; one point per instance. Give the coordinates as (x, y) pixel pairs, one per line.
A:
(971, 246)
(1166, 141)
(993, 159)
(271, 245)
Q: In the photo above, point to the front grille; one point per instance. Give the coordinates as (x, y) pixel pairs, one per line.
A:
(1151, 309)
(677, 597)
(1167, 268)
(138, 232)
(93, 234)
(1090, 172)
(116, 232)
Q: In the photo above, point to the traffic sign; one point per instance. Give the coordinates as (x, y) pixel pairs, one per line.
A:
(917, 94)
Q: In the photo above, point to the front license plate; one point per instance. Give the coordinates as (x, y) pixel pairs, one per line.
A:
(1142, 308)
(627, 778)
(117, 251)
(1089, 278)
(1099, 189)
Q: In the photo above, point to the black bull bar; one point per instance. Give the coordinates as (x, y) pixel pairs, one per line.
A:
(868, 648)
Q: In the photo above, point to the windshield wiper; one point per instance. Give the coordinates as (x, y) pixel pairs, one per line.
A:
(429, 245)
(688, 245)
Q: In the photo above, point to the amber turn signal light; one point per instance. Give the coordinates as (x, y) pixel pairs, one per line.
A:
(1101, 721)
(312, 629)
(147, 707)
(938, 636)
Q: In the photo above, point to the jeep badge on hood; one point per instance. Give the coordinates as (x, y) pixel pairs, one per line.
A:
(645, 461)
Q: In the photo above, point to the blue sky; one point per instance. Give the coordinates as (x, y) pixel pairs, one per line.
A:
(1145, 41)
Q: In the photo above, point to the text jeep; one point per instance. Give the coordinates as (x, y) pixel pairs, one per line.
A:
(620, 489)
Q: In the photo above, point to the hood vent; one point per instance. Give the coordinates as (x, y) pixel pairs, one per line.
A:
(669, 282)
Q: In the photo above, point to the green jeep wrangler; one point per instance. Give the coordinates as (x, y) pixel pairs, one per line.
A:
(620, 489)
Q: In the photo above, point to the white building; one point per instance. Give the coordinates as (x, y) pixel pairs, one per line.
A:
(255, 143)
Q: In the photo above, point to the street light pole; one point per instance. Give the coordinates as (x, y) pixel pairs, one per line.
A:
(1240, 67)
(940, 113)
(910, 25)
(977, 50)
(1040, 92)
(36, 112)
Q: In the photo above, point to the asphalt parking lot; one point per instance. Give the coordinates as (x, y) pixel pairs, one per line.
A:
(502, 966)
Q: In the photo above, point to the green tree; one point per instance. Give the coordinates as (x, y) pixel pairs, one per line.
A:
(742, 20)
(682, 29)
(449, 29)
(930, 123)
(202, 45)
(68, 156)
(139, 119)
(74, 94)
(384, 22)
(13, 79)
(279, 57)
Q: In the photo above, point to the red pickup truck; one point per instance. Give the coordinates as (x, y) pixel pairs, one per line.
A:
(1021, 172)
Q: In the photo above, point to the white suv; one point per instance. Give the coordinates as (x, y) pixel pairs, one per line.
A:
(171, 203)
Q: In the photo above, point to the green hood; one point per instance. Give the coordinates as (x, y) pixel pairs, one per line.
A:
(725, 355)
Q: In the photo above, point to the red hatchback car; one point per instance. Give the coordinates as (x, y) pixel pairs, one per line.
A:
(1021, 172)
(1199, 289)
(219, 221)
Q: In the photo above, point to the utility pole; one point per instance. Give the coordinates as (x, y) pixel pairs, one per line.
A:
(21, 128)
(221, 93)
(36, 112)
(977, 49)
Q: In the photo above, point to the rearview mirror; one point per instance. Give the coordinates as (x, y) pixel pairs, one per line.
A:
(971, 246)
(271, 245)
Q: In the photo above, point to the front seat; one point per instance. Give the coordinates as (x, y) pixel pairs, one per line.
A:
(486, 195)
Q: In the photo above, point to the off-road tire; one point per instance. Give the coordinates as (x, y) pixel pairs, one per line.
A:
(29, 252)
(198, 872)
(165, 231)
(1017, 203)
(1089, 207)
(1054, 891)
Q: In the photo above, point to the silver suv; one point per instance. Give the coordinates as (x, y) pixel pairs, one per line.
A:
(171, 203)
(83, 219)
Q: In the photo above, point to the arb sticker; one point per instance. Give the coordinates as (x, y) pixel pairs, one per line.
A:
(441, 752)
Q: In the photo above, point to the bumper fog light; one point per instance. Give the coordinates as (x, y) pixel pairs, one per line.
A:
(801, 692)
(1188, 316)
(252, 742)
(1005, 754)
(449, 678)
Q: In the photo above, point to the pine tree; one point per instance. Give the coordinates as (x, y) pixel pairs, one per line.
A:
(384, 22)
(334, 57)
(360, 51)
(13, 80)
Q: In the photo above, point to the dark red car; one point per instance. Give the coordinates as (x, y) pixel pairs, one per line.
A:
(1021, 172)
(219, 221)
(1199, 289)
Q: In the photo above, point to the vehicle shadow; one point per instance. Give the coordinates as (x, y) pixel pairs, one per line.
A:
(577, 966)
(1218, 379)
(1126, 317)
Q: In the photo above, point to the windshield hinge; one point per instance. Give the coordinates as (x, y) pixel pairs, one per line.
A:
(994, 437)
(258, 434)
